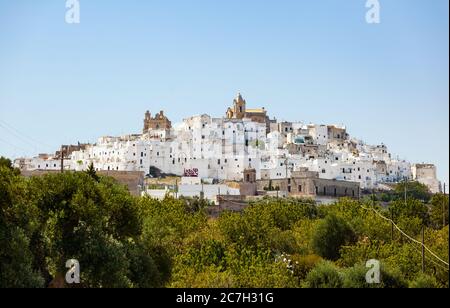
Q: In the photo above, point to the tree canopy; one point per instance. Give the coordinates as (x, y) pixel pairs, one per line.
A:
(125, 241)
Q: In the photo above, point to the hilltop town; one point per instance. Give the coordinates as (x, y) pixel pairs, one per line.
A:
(246, 147)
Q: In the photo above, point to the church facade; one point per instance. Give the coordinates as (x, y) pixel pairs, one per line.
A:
(240, 111)
(158, 122)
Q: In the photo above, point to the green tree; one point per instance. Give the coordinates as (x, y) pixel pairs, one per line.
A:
(7, 163)
(413, 208)
(92, 173)
(16, 260)
(331, 234)
(424, 281)
(439, 211)
(355, 277)
(324, 275)
(414, 190)
(17, 223)
(97, 223)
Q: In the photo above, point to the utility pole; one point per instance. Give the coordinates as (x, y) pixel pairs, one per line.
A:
(443, 208)
(62, 159)
(406, 183)
(373, 198)
(218, 195)
(286, 163)
(176, 188)
(392, 225)
(203, 192)
(423, 248)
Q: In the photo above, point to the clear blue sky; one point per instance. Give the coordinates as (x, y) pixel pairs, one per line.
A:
(316, 61)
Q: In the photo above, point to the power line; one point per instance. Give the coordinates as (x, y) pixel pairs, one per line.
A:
(21, 135)
(13, 146)
(434, 262)
(24, 141)
(409, 237)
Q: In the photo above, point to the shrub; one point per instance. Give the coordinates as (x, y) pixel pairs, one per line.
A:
(424, 281)
(331, 234)
(324, 275)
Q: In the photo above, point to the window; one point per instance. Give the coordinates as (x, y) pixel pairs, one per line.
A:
(324, 171)
(299, 188)
(142, 154)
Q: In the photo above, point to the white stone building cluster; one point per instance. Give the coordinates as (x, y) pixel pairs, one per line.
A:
(222, 148)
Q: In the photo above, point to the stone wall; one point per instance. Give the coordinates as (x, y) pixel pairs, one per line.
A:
(131, 179)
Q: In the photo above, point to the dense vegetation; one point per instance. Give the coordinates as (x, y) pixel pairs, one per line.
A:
(123, 241)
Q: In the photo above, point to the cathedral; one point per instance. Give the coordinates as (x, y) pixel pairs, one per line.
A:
(159, 122)
(240, 111)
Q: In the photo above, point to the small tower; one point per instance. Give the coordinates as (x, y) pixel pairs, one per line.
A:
(147, 119)
(239, 107)
(249, 176)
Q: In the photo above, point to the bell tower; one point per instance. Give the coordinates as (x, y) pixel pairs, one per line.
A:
(147, 119)
(239, 106)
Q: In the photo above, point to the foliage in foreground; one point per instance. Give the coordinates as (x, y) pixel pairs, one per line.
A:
(123, 241)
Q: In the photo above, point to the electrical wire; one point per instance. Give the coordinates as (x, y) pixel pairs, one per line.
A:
(402, 232)
(23, 137)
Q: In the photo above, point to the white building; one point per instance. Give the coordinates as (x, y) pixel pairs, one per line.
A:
(222, 148)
